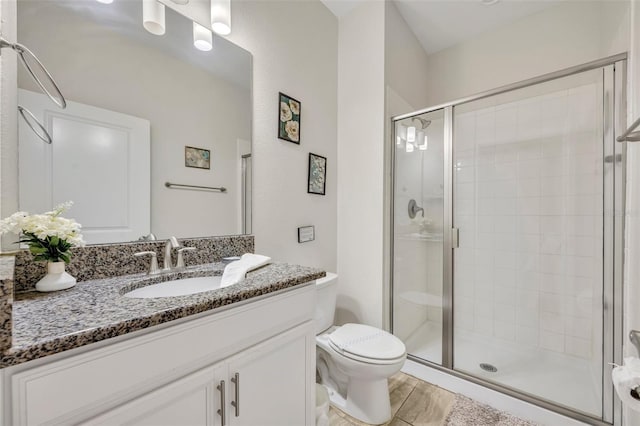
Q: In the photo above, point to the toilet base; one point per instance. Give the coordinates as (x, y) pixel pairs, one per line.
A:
(367, 400)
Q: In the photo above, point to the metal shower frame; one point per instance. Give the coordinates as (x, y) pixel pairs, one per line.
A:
(614, 114)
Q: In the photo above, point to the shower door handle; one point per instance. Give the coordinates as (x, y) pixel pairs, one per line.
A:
(455, 237)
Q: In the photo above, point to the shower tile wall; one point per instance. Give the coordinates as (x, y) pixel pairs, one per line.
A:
(528, 185)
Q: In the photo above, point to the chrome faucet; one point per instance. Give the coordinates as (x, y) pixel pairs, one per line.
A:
(172, 243)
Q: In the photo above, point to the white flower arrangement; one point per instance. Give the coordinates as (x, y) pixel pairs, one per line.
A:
(49, 236)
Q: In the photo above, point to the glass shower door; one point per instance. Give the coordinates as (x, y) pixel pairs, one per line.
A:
(530, 180)
(418, 213)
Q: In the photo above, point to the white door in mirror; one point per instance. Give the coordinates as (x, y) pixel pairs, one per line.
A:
(175, 288)
(99, 159)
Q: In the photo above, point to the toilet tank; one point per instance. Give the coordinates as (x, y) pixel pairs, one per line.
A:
(326, 289)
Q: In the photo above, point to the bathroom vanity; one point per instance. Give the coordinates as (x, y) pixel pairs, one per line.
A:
(244, 354)
(241, 355)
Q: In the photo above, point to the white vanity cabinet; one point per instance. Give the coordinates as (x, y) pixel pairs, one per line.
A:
(254, 363)
(186, 401)
(259, 386)
(265, 382)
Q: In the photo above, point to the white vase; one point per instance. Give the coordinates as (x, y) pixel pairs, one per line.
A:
(56, 278)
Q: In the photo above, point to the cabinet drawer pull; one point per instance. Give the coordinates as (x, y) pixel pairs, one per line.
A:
(236, 380)
(222, 411)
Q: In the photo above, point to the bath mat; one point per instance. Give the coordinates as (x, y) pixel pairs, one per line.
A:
(467, 412)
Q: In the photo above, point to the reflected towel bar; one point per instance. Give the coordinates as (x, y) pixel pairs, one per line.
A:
(206, 188)
(630, 135)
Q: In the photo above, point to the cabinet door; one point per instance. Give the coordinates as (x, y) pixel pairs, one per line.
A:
(191, 400)
(274, 381)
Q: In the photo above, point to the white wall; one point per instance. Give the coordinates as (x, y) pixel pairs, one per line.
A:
(294, 48)
(378, 56)
(361, 115)
(405, 62)
(178, 113)
(555, 38)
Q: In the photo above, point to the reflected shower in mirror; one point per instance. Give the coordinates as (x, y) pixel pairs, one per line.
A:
(135, 102)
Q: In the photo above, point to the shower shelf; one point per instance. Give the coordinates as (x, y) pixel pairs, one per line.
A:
(422, 298)
(416, 236)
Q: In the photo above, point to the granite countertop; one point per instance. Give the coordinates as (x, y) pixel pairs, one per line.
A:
(48, 323)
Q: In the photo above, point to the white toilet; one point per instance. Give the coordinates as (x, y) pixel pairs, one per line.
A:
(354, 360)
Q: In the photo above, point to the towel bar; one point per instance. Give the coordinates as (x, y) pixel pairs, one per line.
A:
(184, 186)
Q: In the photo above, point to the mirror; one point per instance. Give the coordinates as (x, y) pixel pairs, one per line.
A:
(143, 110)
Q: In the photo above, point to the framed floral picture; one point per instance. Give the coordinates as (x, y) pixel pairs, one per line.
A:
(199, 158)
(317, 174)
(289, 119)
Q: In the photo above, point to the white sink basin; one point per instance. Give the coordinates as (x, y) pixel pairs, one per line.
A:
(174, 288)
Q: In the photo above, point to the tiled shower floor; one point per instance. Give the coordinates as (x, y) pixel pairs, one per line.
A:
(564, 379)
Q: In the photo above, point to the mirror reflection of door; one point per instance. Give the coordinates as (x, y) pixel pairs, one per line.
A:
(100, 160)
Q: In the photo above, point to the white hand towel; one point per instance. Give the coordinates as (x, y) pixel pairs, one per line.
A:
(235, 272)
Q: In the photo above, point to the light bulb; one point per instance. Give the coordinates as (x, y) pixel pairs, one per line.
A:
(221, 16)
(402, 131)
(153, 16)
(411, 134)
(202, 37)
(419, 138)
(425, 143)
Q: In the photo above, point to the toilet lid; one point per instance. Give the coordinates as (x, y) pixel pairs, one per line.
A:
(366, 342)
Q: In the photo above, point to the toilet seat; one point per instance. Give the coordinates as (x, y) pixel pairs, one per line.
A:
(367, 344)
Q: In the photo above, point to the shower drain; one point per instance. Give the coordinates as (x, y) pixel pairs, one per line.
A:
(488, 367)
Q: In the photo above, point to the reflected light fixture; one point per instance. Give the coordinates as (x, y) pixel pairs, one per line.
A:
(153, 16)
(411, 137)
(424, 142)
(202, 37)
(402, 131)
(409, 147)
(411, 134)
(105, 1)
(221, 16)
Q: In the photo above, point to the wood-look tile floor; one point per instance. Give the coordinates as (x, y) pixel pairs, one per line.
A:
(418, 403)
(413, 402)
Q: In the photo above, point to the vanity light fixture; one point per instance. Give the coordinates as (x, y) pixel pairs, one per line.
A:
(105, 1)
(202, 37)
(221, 16)
(153, 16)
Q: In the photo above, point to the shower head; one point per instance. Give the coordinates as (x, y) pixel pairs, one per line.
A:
(423, 122)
